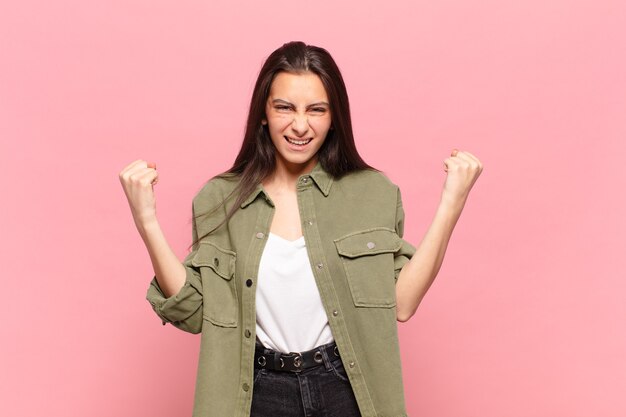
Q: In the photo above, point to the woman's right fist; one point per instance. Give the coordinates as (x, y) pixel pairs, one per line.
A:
(137, 179)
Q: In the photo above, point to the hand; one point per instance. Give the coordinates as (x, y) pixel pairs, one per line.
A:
(463, 170)
(138, 179)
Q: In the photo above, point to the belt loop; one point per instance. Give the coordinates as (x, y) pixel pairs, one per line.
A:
(277, 360)
(327, 363)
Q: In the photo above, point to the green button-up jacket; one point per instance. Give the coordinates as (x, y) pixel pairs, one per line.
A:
(353, 229)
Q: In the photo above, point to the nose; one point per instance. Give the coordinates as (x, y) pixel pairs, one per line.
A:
(300, 124)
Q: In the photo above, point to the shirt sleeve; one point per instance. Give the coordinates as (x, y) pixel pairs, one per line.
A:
(184, 309)
(407, 250)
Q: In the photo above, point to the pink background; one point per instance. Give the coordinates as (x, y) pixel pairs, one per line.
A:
(527, 316)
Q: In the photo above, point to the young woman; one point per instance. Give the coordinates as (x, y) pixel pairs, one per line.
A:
(299, 272)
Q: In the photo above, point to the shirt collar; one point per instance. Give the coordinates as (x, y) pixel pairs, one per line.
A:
(322, 179)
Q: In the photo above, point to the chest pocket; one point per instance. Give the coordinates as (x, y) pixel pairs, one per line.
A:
(368, 259)
(217, 267)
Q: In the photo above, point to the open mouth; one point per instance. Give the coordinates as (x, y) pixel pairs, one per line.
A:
(298, 142)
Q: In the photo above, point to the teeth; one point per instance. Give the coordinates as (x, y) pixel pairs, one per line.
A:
(298, 142)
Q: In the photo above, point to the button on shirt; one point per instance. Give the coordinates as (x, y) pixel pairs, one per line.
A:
(353, 227)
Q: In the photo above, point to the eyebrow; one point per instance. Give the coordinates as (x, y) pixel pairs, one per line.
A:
(323, 103)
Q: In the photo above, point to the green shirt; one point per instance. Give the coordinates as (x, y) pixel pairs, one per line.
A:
(353, 230)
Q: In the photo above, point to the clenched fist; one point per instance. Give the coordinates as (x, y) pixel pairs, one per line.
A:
(463, 170)
(138, 179)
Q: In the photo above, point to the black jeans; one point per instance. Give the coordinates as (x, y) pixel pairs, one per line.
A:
(321, 391)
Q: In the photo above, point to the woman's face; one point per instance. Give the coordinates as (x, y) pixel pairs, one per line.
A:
(298, 118)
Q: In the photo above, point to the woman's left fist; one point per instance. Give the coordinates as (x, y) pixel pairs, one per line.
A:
(463, 170)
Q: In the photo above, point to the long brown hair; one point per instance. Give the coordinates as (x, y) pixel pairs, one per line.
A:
(256, 159)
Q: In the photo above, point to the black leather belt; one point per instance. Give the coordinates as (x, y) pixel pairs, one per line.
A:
(293, 361)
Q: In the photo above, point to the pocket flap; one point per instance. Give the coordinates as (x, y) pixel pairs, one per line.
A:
(368, 242)
(222, 261)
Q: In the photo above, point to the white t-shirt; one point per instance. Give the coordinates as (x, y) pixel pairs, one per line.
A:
(290, 316)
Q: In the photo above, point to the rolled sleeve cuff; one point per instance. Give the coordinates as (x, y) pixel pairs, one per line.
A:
(404, 255)
(180, 306)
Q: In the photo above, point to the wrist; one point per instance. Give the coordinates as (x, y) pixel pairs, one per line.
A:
(453, 203)
(146, 225)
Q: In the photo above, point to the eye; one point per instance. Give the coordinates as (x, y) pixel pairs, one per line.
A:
(319, 109)
(282, 107)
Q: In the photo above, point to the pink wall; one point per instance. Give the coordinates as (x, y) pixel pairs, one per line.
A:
(526, 317)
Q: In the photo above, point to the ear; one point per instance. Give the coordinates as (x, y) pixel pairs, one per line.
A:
(263, 122)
